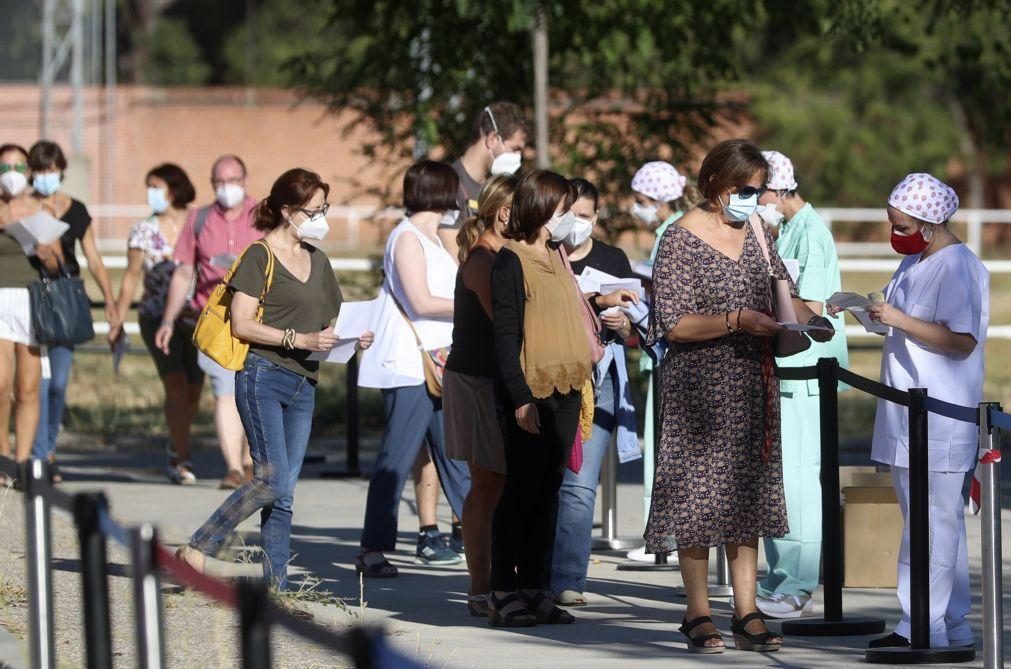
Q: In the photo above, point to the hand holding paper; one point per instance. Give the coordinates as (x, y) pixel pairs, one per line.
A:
(858, 305)
(354, 322)
(38, 228)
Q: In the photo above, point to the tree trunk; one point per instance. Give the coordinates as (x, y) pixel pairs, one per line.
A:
(540, 39)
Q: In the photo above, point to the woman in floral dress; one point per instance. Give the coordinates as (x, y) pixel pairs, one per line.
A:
(719, 478)
(149, 255)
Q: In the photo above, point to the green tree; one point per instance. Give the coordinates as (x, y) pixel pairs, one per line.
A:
(173, 56)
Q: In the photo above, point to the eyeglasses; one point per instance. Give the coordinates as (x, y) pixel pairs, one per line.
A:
(748, 192)
(234, 180)
(316, 212)
(16, 167)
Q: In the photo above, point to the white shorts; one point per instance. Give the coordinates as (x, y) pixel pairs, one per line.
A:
(16, 316)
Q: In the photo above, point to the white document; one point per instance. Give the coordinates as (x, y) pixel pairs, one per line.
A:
(594, 281)
(804, 327)
(643, 268)
(39, 228)
(353, 320)
(858, 305)
(223, 260)
(793, 269)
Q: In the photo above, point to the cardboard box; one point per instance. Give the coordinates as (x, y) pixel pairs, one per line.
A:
(872, 531)
(848, 474)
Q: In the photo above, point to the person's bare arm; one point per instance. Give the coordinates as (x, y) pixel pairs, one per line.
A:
(412, 270)
(179, 288)
(934, 335)
(699, 327)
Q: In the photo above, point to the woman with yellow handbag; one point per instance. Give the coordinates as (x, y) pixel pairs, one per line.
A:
(278, 299)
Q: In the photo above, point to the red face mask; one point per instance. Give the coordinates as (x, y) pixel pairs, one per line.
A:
(909, 244)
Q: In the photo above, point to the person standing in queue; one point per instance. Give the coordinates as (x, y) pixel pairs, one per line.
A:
(498, 136)
(937, 309)
(543, 356)
(719, 475)
(48, 165)
(468, 394)
(149, 259)
(613, 412)
(276, 388)
(416, 314)
(207, 246)
(20, 356)
(794, 561)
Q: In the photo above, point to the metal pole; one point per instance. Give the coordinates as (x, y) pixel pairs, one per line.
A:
(993, 586)
(109, 143)
(919, 521)
(833, 623)
(94, 562)
(608, 495)
(146, 599)
(46, 75)
(353, 417)
(35, 474)
(77, 75)
(540, 39)
(254, 625)
(722, 567)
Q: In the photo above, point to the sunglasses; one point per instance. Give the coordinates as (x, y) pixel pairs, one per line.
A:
(747, 192)
(17, 167)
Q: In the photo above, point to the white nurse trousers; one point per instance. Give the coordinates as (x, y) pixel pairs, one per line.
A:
(950, 600)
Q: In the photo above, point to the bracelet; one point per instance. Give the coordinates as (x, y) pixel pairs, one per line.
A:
(739, 317)
(729, 329)
(288, 340)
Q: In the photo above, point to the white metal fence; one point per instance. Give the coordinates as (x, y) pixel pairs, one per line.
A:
(349, 221)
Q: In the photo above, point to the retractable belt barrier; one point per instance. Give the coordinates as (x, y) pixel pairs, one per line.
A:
(149, 560)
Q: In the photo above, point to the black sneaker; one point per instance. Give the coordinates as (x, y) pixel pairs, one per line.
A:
(893, 640)
(456, 540)
(434, 549)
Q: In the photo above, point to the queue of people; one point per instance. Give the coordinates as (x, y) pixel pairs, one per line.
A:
(505, 383)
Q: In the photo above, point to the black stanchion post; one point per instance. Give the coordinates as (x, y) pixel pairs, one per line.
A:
(833, 623)
(146, 598)
(352, 467)
(919, 651)
(98, 634)
(660, 562)
(254, 624)
(35, 474)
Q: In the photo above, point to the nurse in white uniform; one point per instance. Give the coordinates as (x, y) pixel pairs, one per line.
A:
(937, 307)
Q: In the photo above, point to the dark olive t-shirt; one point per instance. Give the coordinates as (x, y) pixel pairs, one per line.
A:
(305, 307)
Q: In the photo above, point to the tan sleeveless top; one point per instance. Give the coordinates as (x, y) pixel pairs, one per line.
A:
(555, 355)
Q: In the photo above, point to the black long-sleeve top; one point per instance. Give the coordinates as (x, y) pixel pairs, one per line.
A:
(508, 299)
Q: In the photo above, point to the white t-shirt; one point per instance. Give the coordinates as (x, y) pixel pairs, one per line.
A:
(950, 287)
(394, 360)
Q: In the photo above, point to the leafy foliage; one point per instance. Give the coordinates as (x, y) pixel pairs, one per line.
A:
(173, 55)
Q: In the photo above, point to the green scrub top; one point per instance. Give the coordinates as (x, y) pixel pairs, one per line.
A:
(806, 239)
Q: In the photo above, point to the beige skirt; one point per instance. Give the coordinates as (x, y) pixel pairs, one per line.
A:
(472, 428)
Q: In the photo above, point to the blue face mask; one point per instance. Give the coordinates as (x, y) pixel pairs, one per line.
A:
(740, 208)
(47, 183)
(156, 200)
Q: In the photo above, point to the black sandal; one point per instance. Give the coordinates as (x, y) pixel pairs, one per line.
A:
(697, 644)
(518, 617)
(544, 608)
(760, 642)
(375, 570)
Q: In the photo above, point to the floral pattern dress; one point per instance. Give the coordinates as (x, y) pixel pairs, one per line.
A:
(712, 485)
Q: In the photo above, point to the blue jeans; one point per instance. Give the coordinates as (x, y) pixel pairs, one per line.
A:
(52, 399)
(413, 417)
(276, 408)
(577, 497)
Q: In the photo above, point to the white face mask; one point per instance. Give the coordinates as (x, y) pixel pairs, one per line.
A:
(230, 196)
(560, 226)
(771, 215)
(581, 230)
(506, 163)
(157, 200)
(13, 182)
(315, 228)
(450, 218)
(645, 214)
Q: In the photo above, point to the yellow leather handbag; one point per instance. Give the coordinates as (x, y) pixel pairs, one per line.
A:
(213, 334)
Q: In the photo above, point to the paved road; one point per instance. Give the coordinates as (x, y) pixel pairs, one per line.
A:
(632, 616)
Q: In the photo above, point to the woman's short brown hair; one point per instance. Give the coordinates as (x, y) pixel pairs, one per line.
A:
(430, 186)
(45, 155)
(535, 201)
(729, 164)
(179, 185)
(293, 189)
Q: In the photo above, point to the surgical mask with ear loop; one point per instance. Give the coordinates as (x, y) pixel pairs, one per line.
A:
(314, 228)
(582, 228)
(507, 162)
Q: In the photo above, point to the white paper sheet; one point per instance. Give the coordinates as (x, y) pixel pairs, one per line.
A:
(804, 327)
(594, 281)
(864, 318)
(793, 269)
(39, 228)
(849, 300)
(353, 320)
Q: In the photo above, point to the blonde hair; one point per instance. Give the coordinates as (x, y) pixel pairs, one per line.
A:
(496, 193)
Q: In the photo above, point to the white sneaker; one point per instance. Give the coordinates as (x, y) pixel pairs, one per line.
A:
(778, 605)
